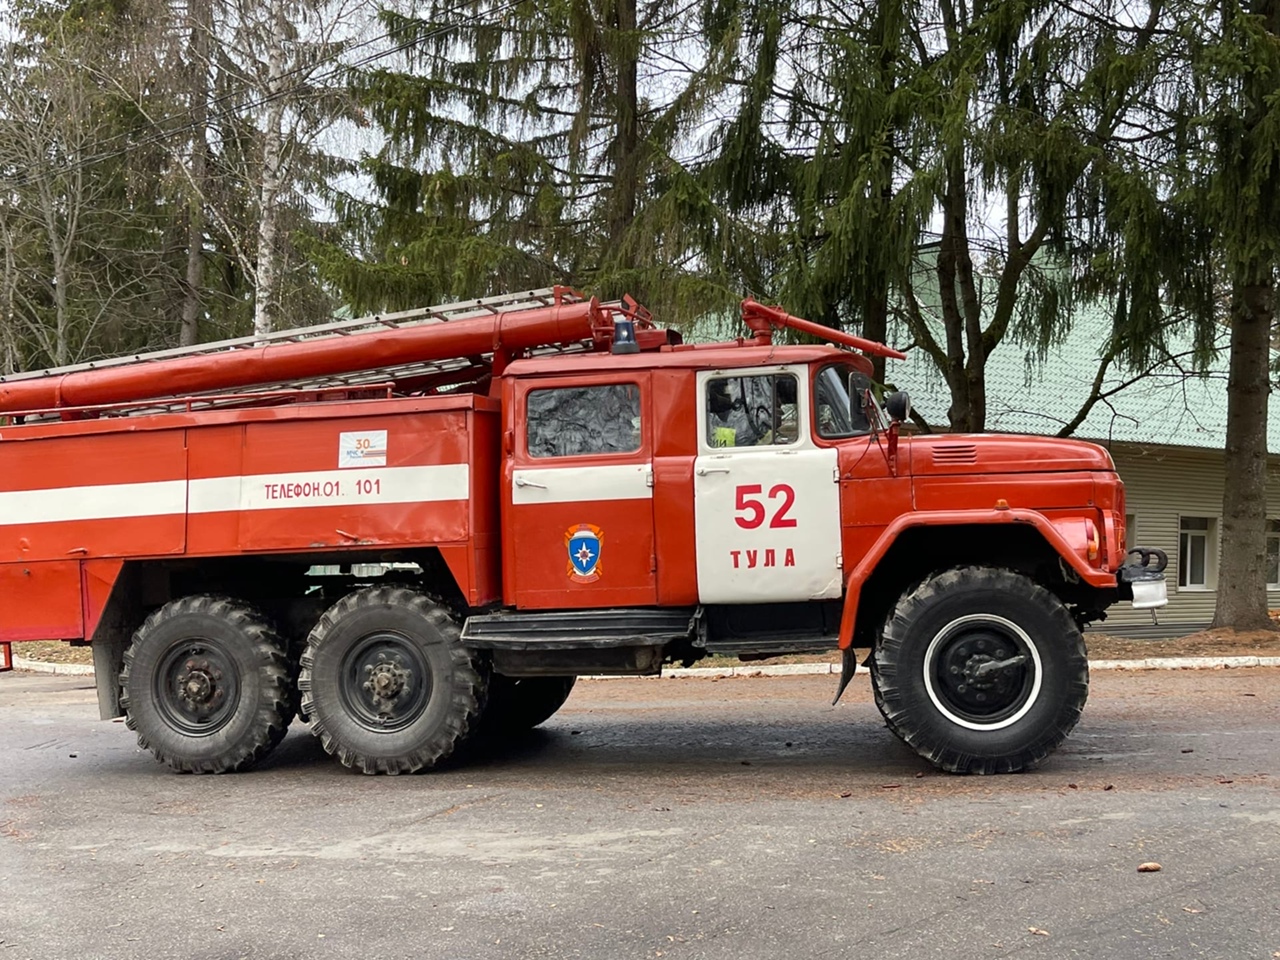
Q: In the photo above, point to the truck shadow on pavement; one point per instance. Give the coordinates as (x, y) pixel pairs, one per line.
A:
(654, 748)
(798, 757)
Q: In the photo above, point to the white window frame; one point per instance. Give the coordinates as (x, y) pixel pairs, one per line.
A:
(1210, 536)
(804, 435)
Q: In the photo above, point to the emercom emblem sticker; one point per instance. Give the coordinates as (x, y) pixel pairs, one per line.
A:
(584, 543)
(362, 448)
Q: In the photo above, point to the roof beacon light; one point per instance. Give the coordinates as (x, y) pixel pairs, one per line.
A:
(624, 336)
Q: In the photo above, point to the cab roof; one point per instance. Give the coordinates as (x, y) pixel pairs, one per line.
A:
(714, 356)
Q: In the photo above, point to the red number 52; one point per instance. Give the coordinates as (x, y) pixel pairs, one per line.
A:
(748, 502)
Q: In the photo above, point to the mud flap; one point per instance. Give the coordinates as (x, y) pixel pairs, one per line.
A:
(848, 667)
(6, 656)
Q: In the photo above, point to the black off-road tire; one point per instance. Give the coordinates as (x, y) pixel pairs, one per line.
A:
(925, 671)
(206, 685)
(295, 671)
(431, 690)
(294, 622)
(517, 704)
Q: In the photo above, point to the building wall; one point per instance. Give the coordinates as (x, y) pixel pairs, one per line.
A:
(1162, 485)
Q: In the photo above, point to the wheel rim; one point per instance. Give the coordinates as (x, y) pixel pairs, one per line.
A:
(197, 687)
(385, 682)
(983, 672)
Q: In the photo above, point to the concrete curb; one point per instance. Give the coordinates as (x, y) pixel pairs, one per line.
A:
(794, 669)
(798, 669)
(62, 669)
(1185, 663)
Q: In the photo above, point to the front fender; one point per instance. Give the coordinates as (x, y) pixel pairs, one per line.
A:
(1070, 554)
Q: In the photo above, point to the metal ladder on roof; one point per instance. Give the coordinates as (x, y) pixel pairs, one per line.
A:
(442, 313)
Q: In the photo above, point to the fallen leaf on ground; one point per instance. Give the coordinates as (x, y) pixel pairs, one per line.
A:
(1149, 867)
(1038, 932)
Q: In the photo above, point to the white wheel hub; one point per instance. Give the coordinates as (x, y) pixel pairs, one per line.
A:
(946, 636)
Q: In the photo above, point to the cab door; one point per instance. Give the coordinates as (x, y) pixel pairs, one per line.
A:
(578, 494)
(766, 498)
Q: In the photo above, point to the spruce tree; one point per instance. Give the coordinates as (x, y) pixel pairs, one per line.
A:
(928, 160)
(1184, 232)
(537, 142)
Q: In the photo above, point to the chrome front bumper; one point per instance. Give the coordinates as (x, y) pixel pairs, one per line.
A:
(1142, 579)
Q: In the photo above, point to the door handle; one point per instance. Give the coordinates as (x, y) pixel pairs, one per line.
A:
(522, 482)
(703, 471)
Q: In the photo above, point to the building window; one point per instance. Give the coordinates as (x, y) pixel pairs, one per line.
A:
(1196, 559)
(576, 421)
(1273, 554)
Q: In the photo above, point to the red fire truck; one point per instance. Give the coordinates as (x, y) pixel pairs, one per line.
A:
(418, 529)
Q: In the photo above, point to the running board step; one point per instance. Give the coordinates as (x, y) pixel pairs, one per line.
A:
(570, 629)
(763, 647)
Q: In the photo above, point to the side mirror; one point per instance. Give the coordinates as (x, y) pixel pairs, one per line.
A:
(898, 406)
(857, 387)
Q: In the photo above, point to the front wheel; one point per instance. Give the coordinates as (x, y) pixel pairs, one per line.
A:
(980, 670)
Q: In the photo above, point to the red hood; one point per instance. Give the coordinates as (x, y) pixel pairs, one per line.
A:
(986, 453)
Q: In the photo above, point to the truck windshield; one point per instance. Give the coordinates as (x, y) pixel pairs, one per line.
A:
(831, 403)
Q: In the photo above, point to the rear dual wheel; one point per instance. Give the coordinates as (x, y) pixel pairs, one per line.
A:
(517, 704)
(387, 684)
(980, 670)
(206, 685)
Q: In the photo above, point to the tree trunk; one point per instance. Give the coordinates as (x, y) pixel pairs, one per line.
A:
(8, 318)
(58, 246)
(1242, 578)
(267, 294)
(627, 143)
(62, 315)
(954, 201)
(198, 52)
(886, 35)
(875, 323)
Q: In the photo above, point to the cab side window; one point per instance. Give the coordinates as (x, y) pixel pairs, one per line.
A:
(752, 411)
(832, 413)
(577, 421)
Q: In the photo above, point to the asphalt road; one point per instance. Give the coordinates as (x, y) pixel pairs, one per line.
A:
(740, 818)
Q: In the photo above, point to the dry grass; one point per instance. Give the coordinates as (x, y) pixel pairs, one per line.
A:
(1206, 643)
(53, 651)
